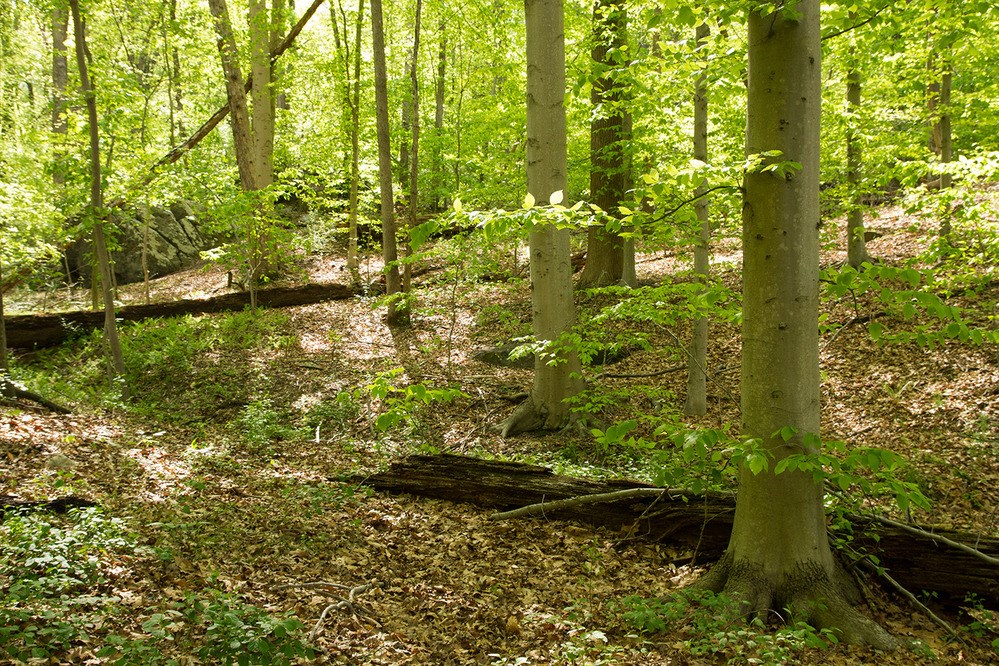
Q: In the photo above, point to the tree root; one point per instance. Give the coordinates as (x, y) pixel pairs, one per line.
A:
(528, 417)
(805, 590)
(12, 390)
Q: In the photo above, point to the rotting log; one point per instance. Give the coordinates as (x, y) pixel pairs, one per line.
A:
(702, 522)
(12, 390)
(58, 505)
(47, 330)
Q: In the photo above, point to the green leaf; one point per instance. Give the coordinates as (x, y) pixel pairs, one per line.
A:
(529, 202)
(556, 197)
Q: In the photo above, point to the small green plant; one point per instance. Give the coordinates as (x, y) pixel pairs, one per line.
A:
(217, 627)
(52, 571)
(260, 423)
(713, 625)
(398, 405)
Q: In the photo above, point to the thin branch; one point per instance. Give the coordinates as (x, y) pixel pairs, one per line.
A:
(580, 500)
(939, 539)
(914, 601)
(855, 26)
(693, 199)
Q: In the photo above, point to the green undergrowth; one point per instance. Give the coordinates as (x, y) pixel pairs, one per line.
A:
(711, 626)
(62, 580)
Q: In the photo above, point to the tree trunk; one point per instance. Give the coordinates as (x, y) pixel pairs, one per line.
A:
(439, 89)
(355, 150)
(116, 366)
(60, 77)
(779, 555)
(414, 158)
(553, 310)
(700, 523)
(263, 98)
(610, 136)
(697, 374)
(389, 252)
(856, 245)
(176, 91)
(239, 114)
(4, 363)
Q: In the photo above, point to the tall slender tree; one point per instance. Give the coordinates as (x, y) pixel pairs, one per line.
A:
(697, 401)
(389, 252)
(553, 310)
(779, 555)
(856, 244)
(116, 363)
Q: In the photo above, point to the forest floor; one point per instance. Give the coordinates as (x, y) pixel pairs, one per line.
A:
(228, 469)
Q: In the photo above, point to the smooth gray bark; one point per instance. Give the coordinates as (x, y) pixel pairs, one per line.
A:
(697, 401)
(779, 555)
(553, 309)
(116, 367)
(856, 246)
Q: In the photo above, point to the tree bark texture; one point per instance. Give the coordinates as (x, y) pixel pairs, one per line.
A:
(116, 366)
(779, 555)
(414, 158)
(610, 138)
(46, 330)
(60, 78)
(239, 113)
(856, 245)
(697, 373)
(702, 523)
(262, 92)
(553, 309)
(389, 250)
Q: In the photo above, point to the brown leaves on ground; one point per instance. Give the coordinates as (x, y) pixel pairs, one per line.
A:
(448, 586)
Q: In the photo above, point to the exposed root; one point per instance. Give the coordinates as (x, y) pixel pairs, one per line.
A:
(806, 591)
(528, 416)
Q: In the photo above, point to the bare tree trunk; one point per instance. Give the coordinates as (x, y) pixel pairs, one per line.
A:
(609, 138)
(389, 252)
(355, 134)
(117, 364)
(697, 401)
(553, 310)
(239, 117)
(60, 76)
(4, 363)
(439, 89)
(779, 555)
(856, 245)
(173, 73)
(414, 163)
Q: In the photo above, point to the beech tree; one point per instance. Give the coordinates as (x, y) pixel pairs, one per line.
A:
(697, 402)
(557, 372)
(117, 365)
(779, 555)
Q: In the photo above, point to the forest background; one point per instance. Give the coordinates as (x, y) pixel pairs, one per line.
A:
(201, 404)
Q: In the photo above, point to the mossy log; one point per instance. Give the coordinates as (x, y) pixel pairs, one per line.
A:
(920, 562)
(47, 330)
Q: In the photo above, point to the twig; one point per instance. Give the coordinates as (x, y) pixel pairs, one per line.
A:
(580, 500)
(348, 604)
(912, 599)
(856, 25)
(939, 539)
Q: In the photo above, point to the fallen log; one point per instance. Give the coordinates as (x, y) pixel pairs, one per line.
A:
(58, 505)
(47, 330)
(917, 557)
(14, 391)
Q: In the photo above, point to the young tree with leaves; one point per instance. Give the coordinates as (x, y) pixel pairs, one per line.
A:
(779, 555)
